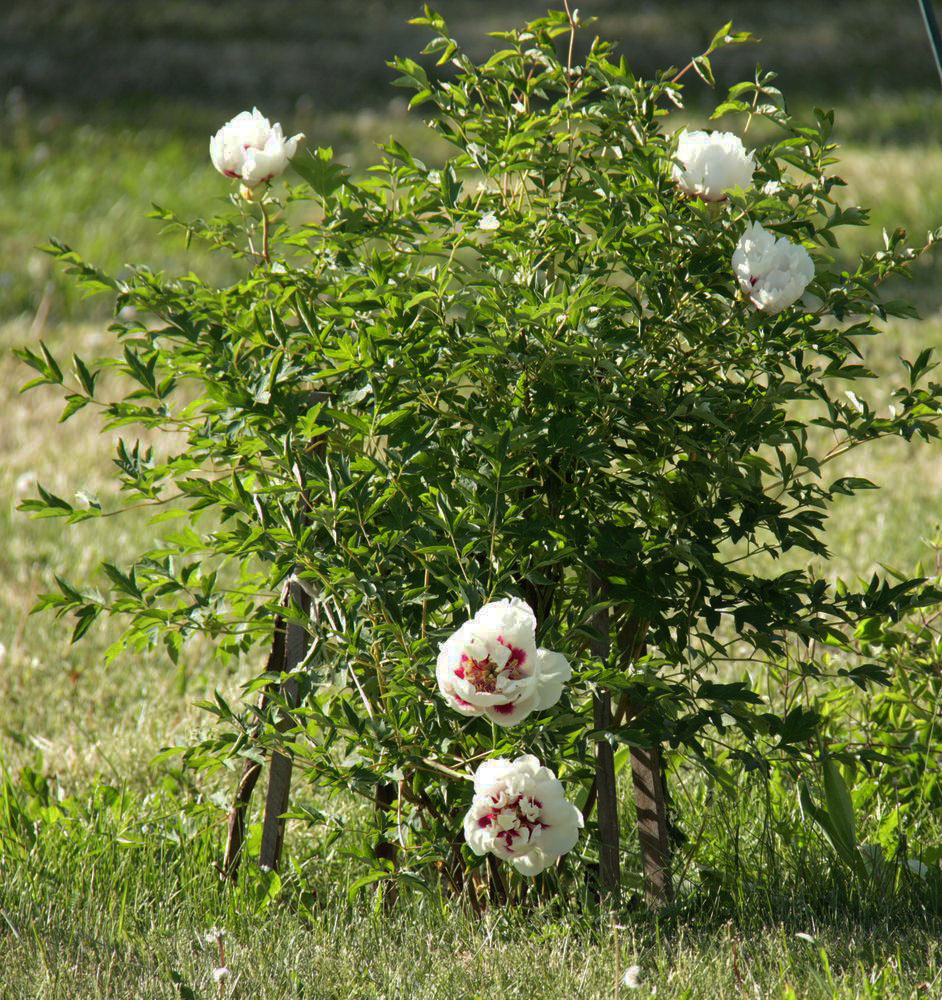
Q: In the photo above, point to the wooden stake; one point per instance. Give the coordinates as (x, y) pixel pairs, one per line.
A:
(607, 807)
(289, 649)
(297, 642)
(385, 850)
(251, 769)
(648, 780)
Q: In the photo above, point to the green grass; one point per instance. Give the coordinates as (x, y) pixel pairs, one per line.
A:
(114, 897)
(107, 893)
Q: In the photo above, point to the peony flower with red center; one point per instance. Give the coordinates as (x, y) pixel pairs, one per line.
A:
(520, 813)
(250, 149)
(491, 666)
(772, 272)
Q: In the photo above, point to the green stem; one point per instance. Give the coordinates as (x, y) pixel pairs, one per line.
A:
(265, 256)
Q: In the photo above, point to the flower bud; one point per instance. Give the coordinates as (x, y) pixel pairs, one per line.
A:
(250, 149)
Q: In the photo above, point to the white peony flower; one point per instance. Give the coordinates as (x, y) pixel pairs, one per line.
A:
(713, 162)
(772, 272)
(489, 222)
(252, 150)
(521, 814)
(491, 665)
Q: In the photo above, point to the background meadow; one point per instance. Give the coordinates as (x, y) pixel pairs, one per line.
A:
(106, 877)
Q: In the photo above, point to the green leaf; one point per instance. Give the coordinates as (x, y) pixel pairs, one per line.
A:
(726, 36)
(84, 376)
(841, 811)
(704, 70)
(321, 173)
(364, 880)
(74, 403)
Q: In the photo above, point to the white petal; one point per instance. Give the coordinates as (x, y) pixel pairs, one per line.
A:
(560, 839)
(509, 614)
(510, 713)
(553, 672)
(533, 863)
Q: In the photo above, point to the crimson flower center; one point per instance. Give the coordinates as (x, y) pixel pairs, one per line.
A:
(510, 820)
(483, 673)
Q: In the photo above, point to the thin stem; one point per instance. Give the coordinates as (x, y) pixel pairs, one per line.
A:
(425, 604)
(689, 66)
(572, 147)
(265, 223)
(572, 42)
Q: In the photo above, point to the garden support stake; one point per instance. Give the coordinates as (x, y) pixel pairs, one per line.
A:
(251, 769)
(648, 780)
(289, 648)
(386, 850)
(297, 642)
(607, 803)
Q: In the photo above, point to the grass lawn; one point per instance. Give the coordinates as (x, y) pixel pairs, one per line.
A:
(106, 878)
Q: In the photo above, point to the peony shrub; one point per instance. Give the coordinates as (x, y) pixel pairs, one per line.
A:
(515, 422)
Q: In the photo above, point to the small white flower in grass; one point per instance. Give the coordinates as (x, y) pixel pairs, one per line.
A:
(520, 813)
(632, 977)
(489, 222)
(772, 272)
(250, 149)
(213, 935)
(711, 163)
(221, 974)
(491, 665)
